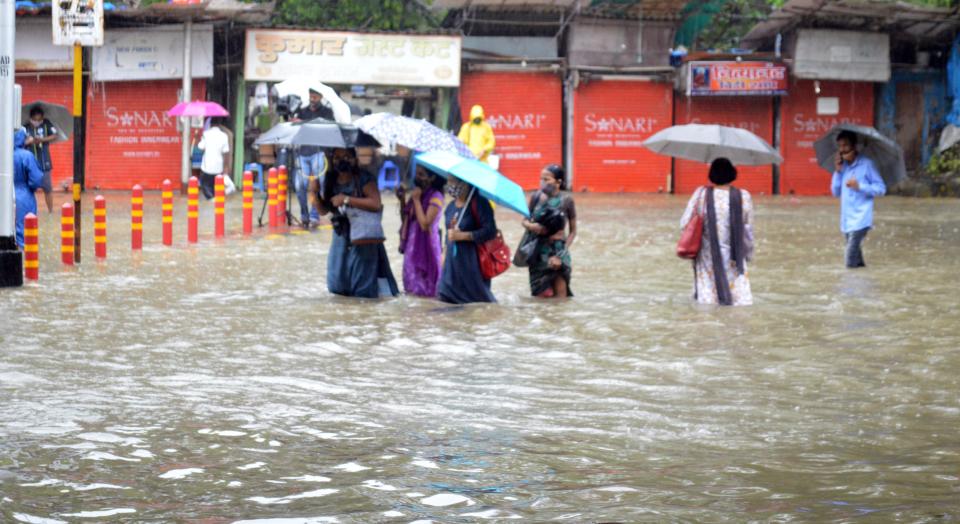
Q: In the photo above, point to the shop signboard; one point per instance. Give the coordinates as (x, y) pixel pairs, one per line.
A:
(77, 22)
(353, 58)
(730, 78)
(154, 53)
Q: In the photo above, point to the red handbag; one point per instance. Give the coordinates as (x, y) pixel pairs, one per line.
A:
(494, 254)
(689, 244)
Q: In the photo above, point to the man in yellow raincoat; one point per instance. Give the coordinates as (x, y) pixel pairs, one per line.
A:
(477, 134)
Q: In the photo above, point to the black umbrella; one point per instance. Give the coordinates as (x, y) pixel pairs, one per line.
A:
(326, 133)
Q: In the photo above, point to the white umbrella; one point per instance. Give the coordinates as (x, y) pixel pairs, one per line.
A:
(302, 88)
(707, 142)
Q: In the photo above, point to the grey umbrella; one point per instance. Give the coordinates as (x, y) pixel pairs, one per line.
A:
(317, 133)
(885, 153)
(58, 115)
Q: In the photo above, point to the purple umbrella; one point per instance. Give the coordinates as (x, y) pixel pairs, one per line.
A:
(198, 108)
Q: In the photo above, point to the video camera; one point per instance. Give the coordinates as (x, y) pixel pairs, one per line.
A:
(288, 105)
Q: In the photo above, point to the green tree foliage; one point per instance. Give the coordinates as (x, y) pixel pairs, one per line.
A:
(720, 24)
(382, 15)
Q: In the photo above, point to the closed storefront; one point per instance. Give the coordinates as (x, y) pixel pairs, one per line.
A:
(810, 111)
(525, 111)
(612, 118)
(130, 137)
(753, 113)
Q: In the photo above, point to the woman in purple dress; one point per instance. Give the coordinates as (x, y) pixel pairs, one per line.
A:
(420, 240)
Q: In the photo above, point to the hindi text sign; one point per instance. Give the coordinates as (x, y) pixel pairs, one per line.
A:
(736, 78)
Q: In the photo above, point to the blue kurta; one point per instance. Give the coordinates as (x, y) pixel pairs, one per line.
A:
(27, 178)
(358, 270)
(461, 281)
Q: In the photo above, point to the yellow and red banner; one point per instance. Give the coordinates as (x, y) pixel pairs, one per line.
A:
(736, 78)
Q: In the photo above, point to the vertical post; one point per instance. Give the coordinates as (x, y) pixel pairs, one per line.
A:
(136, 218)
(186, 95)
(31, 251)
(167, 207)
(282, 196)
(247, 202)
(218, 196)
(193, 209)
(100, 226)
(11, 260)
(272, 196)
(239, 118)
(78, 144)
(66, 234)
(777, 138)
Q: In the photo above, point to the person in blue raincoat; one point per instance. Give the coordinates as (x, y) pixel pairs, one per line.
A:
(27, 178)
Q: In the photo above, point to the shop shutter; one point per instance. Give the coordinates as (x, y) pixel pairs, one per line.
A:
(802, 126)
(525, 111)
(130, 138)
(752, 113)
(611, 120)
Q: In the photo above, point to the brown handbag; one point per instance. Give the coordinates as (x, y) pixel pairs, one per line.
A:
(689, 244)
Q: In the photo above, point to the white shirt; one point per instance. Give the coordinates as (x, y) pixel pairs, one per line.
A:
(214, 145)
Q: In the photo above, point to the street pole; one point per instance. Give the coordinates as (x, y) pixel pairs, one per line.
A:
(185, 149)
(11, 260)
(78, 147)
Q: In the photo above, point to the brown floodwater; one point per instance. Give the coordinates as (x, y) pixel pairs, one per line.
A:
(222, 382)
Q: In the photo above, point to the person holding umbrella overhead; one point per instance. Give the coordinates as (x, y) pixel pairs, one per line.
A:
(40, 133)
(470, 222)
(357, 264)
(856, 182)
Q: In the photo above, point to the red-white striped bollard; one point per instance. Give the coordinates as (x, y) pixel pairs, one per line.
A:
(282, 196)
(31, 251)
(100, 227)
(136, 218)
(66, 234)
(247, 202)
(272, 196)
(167, 207)
(193, 209)
(218, 198)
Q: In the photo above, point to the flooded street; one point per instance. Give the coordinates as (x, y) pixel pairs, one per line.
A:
(222, 382)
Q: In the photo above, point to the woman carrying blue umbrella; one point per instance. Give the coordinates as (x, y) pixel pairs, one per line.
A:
(470, 222)
(357, 265)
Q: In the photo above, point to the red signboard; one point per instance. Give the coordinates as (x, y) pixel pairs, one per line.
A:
(736, 78)
(802, 126)
(527, 125)
(612, 118)
(755, 114)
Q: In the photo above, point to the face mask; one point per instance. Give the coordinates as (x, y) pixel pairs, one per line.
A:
(422, 184)
(549, 188)
(477, 120)
(454, 190)
(36, 123)
(344, 166)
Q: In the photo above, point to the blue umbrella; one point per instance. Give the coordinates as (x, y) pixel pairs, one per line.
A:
(487, 180)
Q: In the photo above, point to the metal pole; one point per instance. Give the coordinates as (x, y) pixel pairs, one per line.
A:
(186, 96)
(78, 148)
(11, 260)
(7, 125)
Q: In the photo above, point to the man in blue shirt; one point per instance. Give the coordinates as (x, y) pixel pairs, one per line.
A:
(856, 181)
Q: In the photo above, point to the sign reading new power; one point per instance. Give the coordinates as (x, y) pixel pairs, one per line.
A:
(353, 58)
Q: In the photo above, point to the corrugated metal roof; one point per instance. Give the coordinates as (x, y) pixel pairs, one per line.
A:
(900, 19)
(646, 9)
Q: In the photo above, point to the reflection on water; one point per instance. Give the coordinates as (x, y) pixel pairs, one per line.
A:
(222, 383)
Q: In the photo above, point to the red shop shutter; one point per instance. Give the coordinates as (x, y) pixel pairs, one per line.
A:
(802, 126)
(611, 120)
(755, 114)
(130, 138)
(56, 89)
(525, 111)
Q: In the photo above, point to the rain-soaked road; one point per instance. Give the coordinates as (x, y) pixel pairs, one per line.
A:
(222, 383)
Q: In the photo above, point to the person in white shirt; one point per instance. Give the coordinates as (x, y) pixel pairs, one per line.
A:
(215, 144)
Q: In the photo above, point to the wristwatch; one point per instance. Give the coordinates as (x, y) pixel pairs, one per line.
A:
(346, 201)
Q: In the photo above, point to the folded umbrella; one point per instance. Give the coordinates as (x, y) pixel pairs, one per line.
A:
(490, 182)
(708, 142)
(413, 133)
(58, 115)
(200, 108)
(886, 154)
